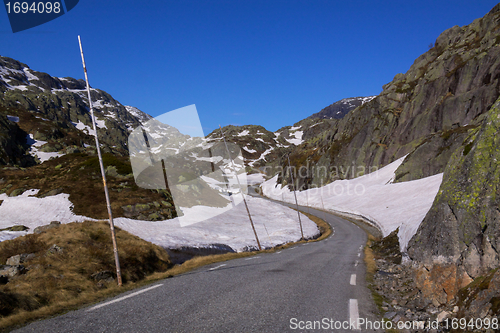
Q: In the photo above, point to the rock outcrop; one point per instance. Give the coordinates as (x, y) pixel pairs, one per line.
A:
(462, 230)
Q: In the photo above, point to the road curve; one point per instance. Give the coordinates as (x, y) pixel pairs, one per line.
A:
(279, 292)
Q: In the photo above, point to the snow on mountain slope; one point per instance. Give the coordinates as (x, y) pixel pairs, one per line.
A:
(259, 146)
(297, 140)
(372, 196)
(231, 228)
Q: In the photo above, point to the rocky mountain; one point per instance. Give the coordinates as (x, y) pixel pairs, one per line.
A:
(266, 151)
(55, 112)
(47, 143)
(340, 108)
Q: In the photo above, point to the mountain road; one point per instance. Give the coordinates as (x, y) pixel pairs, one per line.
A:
(309, 287)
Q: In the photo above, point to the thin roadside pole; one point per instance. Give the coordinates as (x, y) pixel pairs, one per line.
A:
(111, 224)
(322, 204)
(241, 189)
(307, 201)
(296, 203)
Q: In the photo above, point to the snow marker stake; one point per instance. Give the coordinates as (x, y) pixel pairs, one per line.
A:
(111, 225)
(296, 203)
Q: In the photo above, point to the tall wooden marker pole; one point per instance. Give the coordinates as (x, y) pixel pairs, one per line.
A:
(241, 189)
(111, 224)
(296, 202)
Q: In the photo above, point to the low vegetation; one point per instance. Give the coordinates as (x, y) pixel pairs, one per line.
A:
(71, 265)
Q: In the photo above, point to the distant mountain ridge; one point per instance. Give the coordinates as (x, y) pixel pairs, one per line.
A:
(340, 108)
(54, 113)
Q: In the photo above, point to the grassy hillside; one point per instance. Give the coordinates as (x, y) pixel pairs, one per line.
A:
(72, 264)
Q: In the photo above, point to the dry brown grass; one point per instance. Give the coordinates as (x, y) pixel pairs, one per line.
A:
(324, 228)
(371, 267)
(58, 281)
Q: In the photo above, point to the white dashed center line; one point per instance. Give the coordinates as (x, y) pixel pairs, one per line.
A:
(353, 312)
(353, 279)
(217, 267)
(125, 297)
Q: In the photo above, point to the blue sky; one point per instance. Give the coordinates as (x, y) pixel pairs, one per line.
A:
(269, 63)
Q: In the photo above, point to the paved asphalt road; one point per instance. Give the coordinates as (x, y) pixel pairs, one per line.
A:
(279, 292)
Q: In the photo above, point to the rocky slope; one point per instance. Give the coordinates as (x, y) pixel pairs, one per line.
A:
(56, 111)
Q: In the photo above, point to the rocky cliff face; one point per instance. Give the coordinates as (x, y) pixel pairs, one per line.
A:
(461, 232)
(13, 144)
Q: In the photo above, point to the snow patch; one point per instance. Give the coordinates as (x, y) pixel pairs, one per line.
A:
(84, 128)
(244, 133)
(34, 149)
(298, 138)
(255, 178)
(251, 151)
(100, 123)
(231, 228)
(33, 212)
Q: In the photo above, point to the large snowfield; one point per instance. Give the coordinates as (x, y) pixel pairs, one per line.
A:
(274, 223)
(373, 197)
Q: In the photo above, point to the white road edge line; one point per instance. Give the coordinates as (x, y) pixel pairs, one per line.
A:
(278, 252)
(252, 258)
(214, 268)
(353, 279)
(125, 297)
(359, 254)
(354, 313)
